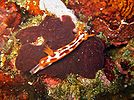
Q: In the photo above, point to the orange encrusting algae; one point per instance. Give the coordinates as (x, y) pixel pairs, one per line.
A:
(33, 7)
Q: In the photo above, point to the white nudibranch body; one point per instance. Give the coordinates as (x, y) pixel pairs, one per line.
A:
(58, 8)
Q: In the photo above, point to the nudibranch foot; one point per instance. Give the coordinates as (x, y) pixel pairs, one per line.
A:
(35, 69)
(38, 68)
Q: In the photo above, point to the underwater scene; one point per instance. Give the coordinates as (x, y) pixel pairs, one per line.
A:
(66, 50)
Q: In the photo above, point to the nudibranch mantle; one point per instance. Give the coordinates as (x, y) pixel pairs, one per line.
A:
(61, 52)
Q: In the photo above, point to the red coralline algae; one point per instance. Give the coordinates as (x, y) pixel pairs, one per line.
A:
(118, 36)
(109, 67)
(33, 7)
(10, 17)
(107, 17)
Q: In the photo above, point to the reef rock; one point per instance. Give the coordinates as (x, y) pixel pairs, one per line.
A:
(114, 18)
(85, 60)
(10, 17)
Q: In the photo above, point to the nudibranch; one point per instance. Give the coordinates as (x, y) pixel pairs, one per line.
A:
(61, 52)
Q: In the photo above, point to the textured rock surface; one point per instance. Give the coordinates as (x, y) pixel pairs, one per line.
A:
(86, 60)
(10, 17)
(124, 33)
(107, 17)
